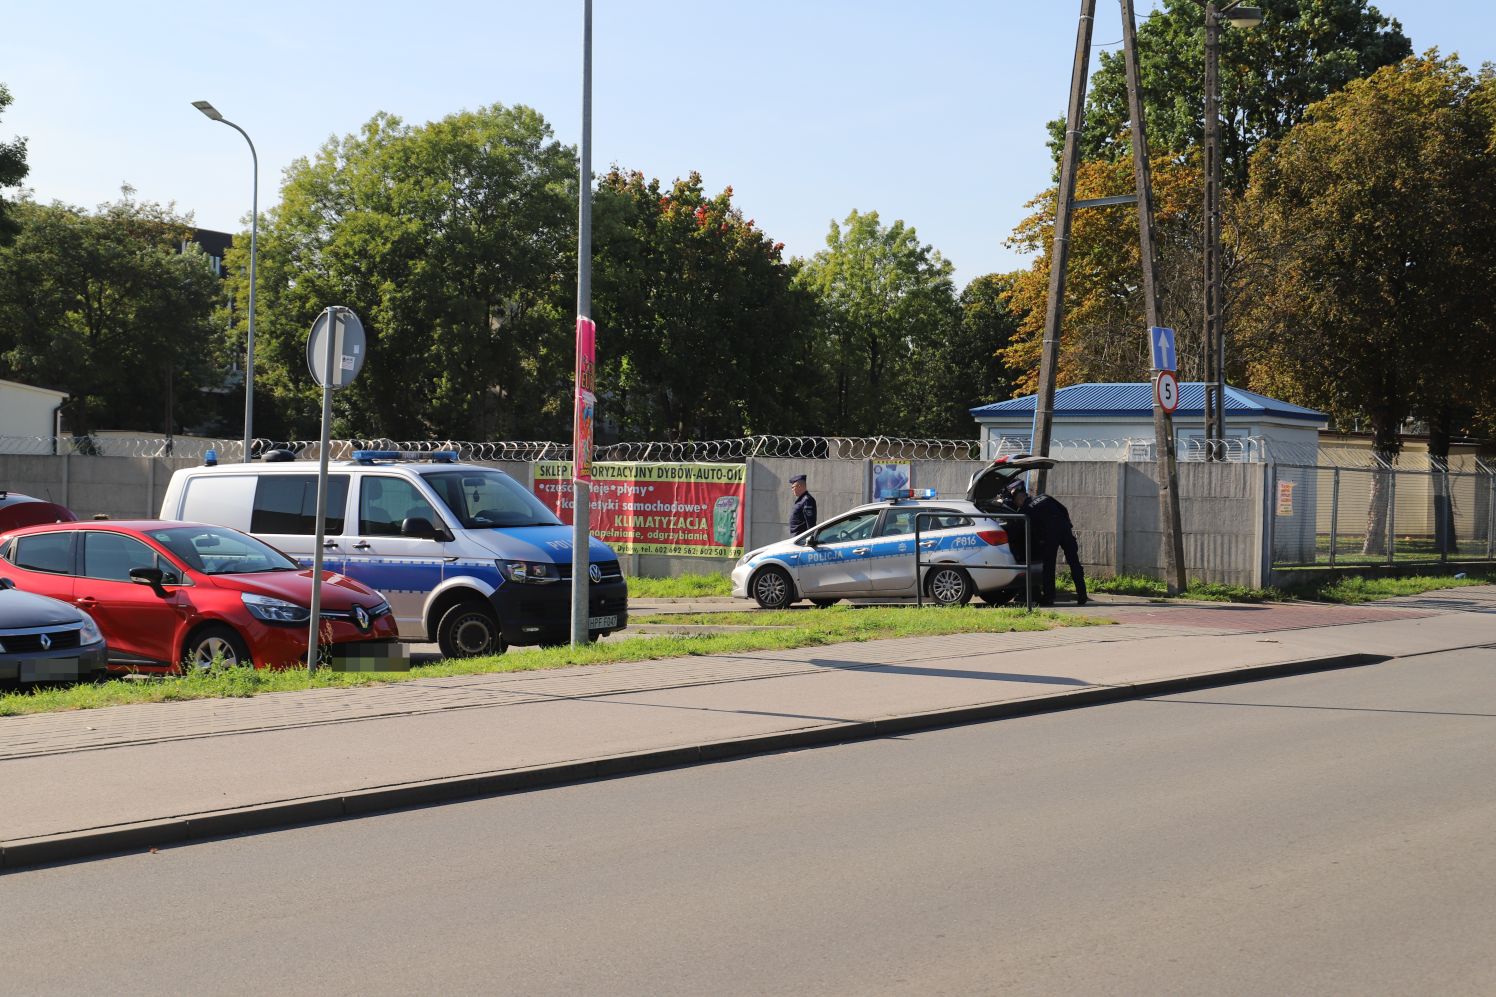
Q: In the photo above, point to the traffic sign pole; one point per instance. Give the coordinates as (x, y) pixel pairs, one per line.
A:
(335, 352)
(313, 633)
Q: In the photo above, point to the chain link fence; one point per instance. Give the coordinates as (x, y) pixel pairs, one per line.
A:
(1380, 515)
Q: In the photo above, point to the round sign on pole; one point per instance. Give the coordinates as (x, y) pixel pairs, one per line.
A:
(1166, 391)
(348, 348)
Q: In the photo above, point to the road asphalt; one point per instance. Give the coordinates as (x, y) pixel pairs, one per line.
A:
(141, 776)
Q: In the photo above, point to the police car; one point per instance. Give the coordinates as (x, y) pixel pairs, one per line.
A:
(966, 548)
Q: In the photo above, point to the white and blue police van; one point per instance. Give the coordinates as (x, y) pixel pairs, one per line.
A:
(909, 544)
(466, 555)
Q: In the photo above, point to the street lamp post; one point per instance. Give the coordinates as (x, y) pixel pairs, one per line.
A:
(1215, 322)
(254, 226)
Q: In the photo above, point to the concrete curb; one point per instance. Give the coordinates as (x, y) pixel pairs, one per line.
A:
(88, 842)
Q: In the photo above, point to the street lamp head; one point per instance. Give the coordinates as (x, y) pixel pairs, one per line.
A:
(208, 109)
(1244, 17)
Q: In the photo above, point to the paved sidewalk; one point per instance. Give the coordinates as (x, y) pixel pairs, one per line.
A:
(144, 775)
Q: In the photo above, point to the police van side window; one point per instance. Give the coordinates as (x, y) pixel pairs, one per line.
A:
(384, 503)
(287, 504)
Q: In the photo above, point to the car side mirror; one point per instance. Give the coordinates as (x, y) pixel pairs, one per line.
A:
(148, 576)
(420, 528)
(6, 583)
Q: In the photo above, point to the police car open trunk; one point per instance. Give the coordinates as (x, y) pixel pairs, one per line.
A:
(988, 488)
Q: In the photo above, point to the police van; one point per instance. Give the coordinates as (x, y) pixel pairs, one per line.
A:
(466, 555)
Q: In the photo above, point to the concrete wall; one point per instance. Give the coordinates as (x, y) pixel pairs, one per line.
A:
(120, 487)
(1223, 510)
(1113, 505)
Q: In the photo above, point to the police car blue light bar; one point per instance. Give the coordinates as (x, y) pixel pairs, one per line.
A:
(438, 456)
(894, 494)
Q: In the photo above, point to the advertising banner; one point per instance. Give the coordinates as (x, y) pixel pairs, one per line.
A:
(656, 508)
(586, 397)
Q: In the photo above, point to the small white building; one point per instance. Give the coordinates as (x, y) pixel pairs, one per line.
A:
(1115, 422)
(27, 413)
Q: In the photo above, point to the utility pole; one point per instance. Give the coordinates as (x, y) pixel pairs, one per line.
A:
(581, 451)
(1163, 424)
(1214, 354)
(1059, 257)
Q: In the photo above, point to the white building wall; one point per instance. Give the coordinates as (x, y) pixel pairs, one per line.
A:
(26, 411)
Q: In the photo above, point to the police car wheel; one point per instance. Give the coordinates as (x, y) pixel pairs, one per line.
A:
(468, 630)
(949, 586)
(772, 588)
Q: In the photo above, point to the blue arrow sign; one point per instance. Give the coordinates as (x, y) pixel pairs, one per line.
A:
(1162, 341)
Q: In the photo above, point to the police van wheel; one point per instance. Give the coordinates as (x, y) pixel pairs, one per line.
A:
(947, 585)
(468, 630)
(772, 588)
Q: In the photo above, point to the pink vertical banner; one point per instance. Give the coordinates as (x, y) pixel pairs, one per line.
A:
(586, 400)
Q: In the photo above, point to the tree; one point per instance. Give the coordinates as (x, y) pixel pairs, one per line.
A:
(1303, 51)
(968, 361)
(12, 171)
(110, 308)
(454, 242)
(1375, 238)
(702, 332)
(1103, 335)
(887, 301)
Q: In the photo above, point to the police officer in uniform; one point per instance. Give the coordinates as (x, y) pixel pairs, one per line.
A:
(1053, 532)
(803, 512)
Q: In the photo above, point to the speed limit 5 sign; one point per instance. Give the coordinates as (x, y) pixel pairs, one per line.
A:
(1166, 391)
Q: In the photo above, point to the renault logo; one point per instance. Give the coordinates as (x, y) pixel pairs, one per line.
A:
(46, 643)
(594, 572)
(361, 617)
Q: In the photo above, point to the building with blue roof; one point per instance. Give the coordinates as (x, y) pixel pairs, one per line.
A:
(1115, 421)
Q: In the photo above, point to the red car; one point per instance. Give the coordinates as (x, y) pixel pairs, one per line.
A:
(165, 593)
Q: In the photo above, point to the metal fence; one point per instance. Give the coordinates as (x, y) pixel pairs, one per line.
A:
(1380, 515)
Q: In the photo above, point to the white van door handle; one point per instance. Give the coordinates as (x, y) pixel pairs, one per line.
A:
(329, 543)
(362, 545)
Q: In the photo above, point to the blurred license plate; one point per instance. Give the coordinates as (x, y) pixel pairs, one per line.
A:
(602, 622)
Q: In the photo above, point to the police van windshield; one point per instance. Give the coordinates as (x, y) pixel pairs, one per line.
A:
(482, 499)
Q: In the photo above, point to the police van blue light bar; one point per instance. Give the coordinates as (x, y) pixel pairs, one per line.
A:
(438, 456)
(894, 494)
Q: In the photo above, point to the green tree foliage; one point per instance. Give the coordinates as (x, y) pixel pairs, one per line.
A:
(702, 332)
(109, 308)
(12, 170)
(1302, 51)
(454, 242)
(887, 304)
(1103, 336)
(1374, 246)
(966, 365)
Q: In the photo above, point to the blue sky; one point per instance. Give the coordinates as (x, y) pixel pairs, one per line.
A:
(931, 113)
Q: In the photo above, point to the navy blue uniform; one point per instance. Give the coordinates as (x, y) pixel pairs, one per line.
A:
(1053, 533)
(802, 514)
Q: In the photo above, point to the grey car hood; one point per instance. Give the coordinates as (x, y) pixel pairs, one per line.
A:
(21, 610)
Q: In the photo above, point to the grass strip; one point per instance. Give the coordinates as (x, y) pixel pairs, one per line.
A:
(792, 629)
(680, 587)
(1347, 589)
(1357, 588)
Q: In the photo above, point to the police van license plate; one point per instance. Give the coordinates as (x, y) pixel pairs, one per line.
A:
(602, 622)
